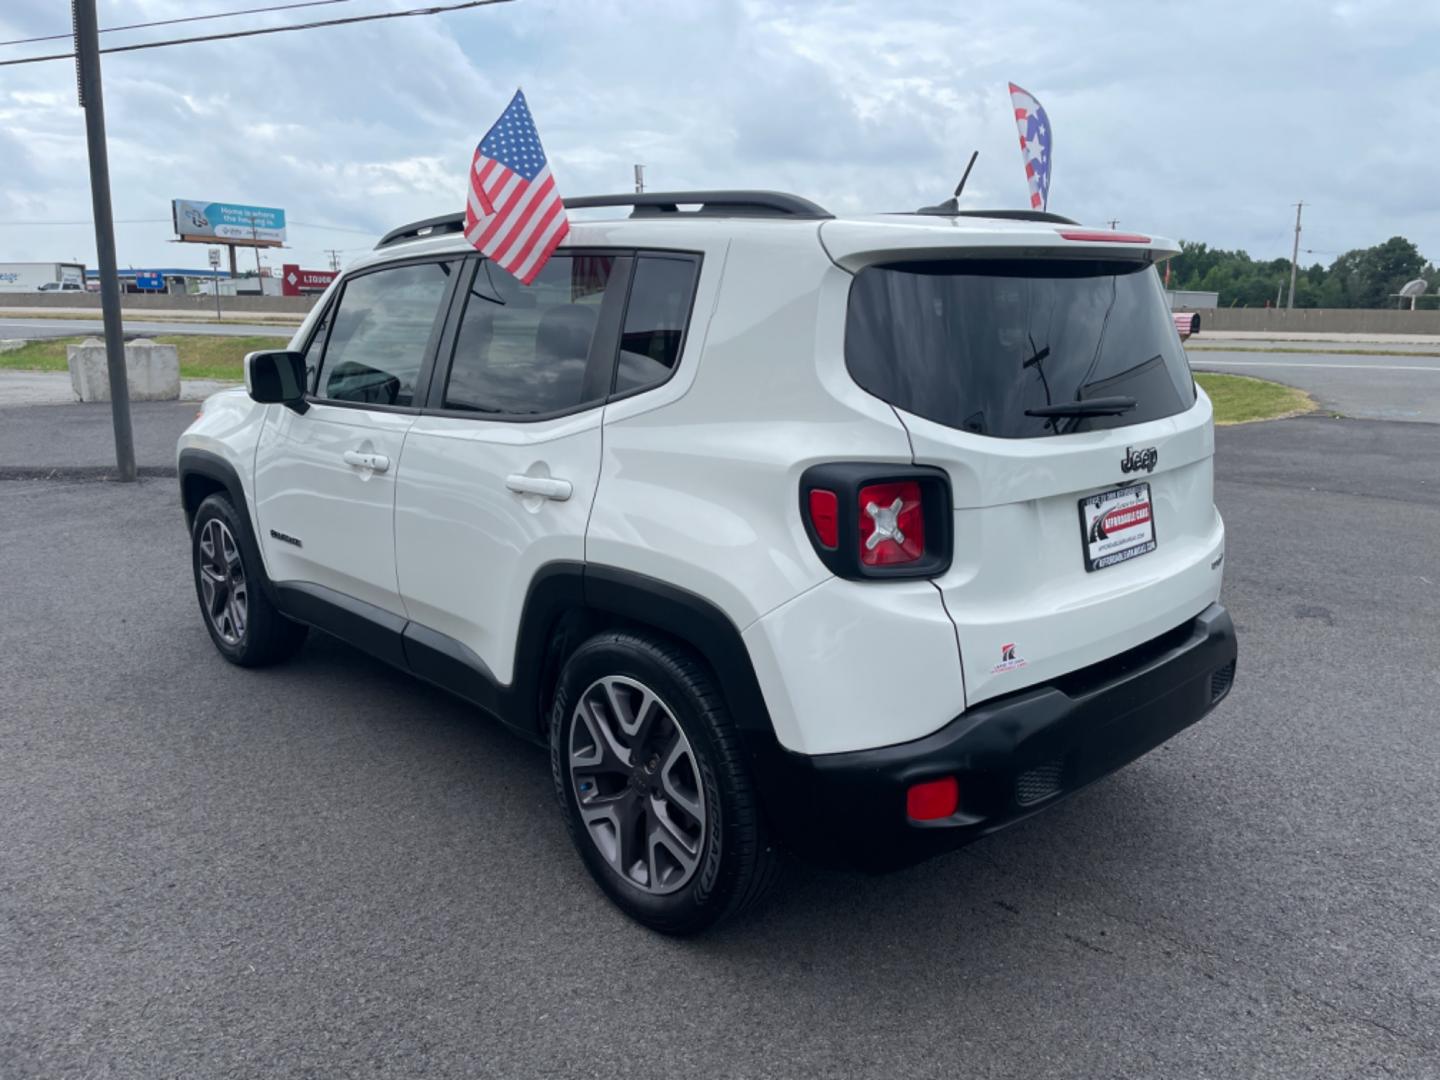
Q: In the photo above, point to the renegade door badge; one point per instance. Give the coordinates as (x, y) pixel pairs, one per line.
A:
(1009, 661)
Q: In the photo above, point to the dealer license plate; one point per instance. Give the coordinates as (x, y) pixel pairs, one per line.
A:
(1117, 525)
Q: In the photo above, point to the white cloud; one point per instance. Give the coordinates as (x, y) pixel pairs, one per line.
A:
(1202, 125)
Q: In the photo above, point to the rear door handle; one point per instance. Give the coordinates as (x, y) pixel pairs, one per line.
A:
(375, 462)
(547, 486)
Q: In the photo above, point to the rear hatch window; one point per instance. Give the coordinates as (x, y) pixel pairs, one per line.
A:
(974, 343)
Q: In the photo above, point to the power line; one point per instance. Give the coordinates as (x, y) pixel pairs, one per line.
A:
(333, 228)
(267, 30)
(172, 22)
(118, 221)
(166, 221)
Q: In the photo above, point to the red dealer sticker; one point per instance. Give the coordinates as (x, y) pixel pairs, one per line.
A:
(1117, 525)
(1127, 518)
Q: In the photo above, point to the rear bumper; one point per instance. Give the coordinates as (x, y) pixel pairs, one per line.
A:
(1012, 756)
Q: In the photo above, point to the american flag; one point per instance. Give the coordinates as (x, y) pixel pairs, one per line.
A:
(1035, 140)
(513, 213)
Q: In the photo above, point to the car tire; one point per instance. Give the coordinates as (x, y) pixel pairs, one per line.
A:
(652, 783)
(230, 584)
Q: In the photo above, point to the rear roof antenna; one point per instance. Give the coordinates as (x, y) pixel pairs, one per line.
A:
(952, 205)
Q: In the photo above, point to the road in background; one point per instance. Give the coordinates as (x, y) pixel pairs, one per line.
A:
(1366, 387)
(1205, 342)
(329, 868)
(34, 329)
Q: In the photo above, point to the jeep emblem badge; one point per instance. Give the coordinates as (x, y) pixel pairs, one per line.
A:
(1137, 460)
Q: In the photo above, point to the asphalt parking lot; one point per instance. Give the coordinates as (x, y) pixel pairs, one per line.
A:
(328, 869)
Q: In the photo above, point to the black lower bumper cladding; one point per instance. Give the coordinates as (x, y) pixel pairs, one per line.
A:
(1012, 756)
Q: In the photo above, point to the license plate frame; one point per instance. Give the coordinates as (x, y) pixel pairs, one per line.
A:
(1099, 515)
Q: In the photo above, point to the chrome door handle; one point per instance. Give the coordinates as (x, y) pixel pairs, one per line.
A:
(546, 486)
(375, 462)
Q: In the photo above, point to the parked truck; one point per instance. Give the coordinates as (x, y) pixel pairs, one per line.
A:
(34, 277)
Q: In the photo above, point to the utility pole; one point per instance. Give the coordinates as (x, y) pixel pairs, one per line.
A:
(639, 179)
(87, 77)
(215, 280)
(1114, 222)
(1295, 256)
(334, 258)
(255, 239)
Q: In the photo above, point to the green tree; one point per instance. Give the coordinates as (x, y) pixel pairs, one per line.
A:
(1369, 276)
(1365, 277)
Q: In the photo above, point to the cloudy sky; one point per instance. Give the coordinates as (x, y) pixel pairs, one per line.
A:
(1202, 126)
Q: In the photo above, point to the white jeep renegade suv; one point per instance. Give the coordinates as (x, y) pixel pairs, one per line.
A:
(861, 537)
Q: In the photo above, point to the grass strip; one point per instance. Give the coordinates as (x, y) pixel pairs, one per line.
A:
(1240, 399)
(201, 356)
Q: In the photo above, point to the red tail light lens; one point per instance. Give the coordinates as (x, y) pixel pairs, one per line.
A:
(933, 800)
(825, 517)
(892, 524)
(872, 521)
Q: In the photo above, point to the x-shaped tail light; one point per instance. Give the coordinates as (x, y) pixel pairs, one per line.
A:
(887, 524)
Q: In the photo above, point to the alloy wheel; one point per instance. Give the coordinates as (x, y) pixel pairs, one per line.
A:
(637, 784)
(222, 582)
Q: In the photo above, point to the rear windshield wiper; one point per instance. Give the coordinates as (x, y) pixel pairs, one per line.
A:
(1100, 406)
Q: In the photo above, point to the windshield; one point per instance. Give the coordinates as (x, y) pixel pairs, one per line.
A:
(974, 344)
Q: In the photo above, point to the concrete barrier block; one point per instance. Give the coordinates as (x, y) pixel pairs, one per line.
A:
(88, 377)
(153, 371)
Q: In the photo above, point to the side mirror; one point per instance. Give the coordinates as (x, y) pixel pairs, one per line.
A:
(276, 377)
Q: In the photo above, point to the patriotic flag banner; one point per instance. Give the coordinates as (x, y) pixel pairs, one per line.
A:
(1035, 140)
(514, 213)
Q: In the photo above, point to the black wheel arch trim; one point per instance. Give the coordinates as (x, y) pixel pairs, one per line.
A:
(194, 463)
(692, 619)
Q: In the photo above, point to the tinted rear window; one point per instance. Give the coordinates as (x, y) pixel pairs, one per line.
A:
(973, 343)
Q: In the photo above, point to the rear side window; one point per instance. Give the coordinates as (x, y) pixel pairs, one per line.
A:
(524, 349)
(655, 320)
(973, 344)
(381, 333)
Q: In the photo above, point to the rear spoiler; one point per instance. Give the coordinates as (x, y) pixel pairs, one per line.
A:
(854, 243)
(1187, 323)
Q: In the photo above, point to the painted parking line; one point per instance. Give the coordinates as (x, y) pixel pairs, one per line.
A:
(1203, 364)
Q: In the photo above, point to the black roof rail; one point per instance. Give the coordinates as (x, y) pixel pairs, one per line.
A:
(435, 226)
(710, 203)
(646, 204)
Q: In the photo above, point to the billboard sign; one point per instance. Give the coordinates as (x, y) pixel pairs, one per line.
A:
(149, 279)
(297, 282)
(233, 223)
